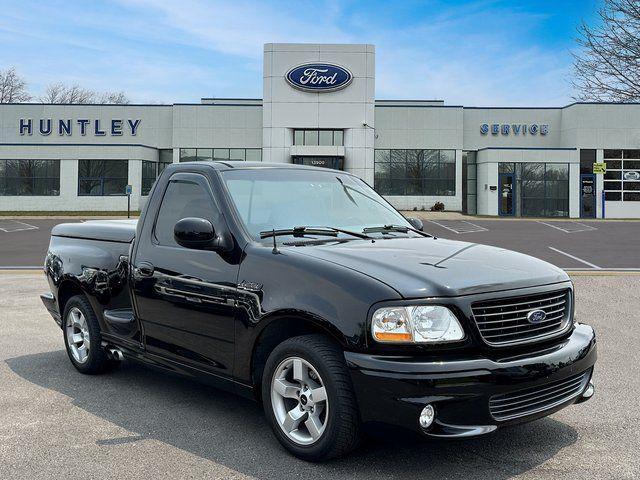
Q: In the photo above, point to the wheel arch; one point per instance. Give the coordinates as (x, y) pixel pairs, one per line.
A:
(281, 327)
(67, 289)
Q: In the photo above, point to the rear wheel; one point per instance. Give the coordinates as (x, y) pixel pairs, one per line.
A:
(309, 400)
(82, 337)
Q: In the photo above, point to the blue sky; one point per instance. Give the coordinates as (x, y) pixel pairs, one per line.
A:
(472, 53)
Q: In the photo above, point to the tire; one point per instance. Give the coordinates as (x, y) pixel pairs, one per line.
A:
(92, 359)
(335, 421)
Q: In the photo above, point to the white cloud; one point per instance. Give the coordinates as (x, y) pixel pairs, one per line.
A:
(463, 54)
(178, 51)
(241, 28)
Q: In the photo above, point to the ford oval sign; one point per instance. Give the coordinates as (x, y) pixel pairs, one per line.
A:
(319, 77)
(536, 316)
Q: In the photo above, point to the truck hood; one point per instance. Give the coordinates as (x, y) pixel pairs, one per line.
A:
(424, 267)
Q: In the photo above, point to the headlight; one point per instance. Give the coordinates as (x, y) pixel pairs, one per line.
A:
(416, 324)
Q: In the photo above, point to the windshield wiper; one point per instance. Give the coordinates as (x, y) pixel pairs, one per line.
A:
(363, 235)
(299, 232)
(302, 231)
(395, 228)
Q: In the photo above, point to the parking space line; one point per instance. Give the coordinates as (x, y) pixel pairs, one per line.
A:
(586, 228)
(10, 229)
(475, 228)
(17, 229)
(596, 267)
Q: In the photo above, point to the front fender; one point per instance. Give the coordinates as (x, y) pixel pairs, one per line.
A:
(305, 318)
(287, 284)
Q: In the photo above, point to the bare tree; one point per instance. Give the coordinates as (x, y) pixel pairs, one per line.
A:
(61, 93)
(607, 67)
(119, 98)
(13, 89)
(75, 94)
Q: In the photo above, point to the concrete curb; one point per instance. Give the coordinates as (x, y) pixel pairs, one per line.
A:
(21, 271)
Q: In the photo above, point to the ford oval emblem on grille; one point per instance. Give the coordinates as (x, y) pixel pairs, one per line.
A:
(536, 316)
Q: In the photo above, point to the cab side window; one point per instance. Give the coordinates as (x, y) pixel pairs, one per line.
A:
(183, 199)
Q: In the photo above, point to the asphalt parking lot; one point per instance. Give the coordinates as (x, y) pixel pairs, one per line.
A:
(569, 244)
(24, 242)
(138, 423)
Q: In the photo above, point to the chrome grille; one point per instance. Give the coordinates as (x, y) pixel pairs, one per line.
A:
(536, 399)
(504, 321)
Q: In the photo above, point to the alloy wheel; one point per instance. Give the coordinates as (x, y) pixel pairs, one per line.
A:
(77, 331)
(299, 400)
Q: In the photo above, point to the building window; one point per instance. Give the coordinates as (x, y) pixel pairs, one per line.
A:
(587, 159)
(622, 179)
(219, 153)
(149, 175)
(165, 157)
(102, 177)
(152, 170)
(188, 155)
(323, 138)
(30, 177)
(415, 172)
(469, 183)
(204, 154)
(542, 189)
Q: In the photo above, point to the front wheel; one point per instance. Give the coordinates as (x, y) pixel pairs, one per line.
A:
(309, 400)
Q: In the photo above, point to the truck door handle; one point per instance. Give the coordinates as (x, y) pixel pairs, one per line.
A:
(144, 269)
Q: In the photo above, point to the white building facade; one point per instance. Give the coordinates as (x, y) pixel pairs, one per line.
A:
(319, 108)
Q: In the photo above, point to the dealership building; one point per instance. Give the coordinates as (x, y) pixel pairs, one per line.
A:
(319, 108)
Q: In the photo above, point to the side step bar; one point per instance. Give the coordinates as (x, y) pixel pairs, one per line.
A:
(121, 321)
(120, 316)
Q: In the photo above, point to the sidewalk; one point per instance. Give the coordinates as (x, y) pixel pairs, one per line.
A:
(427, 215)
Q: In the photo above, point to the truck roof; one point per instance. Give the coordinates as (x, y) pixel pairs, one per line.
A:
(239, 165)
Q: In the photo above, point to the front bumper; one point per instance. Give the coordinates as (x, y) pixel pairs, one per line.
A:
(394, 390)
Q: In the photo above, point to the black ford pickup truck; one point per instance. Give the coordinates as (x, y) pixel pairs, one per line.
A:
(302, 288)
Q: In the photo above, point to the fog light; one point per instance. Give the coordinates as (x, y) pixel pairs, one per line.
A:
(589, 391)
(426, 416)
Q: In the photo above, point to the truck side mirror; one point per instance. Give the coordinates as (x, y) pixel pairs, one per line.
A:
(196, 233)
(416, 223)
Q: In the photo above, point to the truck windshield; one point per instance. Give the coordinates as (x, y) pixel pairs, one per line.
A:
(275, 199)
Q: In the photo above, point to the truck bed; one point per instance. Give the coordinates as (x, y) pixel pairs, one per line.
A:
(122, 231)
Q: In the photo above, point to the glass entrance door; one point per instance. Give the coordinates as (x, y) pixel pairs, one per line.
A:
(587, 196)
(506, 194)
